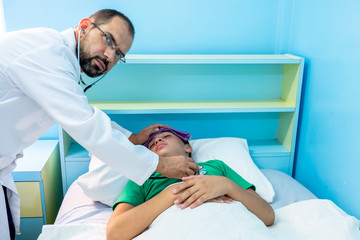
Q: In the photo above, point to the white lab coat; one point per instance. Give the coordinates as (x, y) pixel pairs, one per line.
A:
(39, 75)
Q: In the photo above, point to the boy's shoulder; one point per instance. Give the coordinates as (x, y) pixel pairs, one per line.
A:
(211, 162)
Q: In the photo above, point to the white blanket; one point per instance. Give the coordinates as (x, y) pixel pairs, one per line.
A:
(311, 219)
(314, 219)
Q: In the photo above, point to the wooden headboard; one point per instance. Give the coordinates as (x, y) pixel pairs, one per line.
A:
(255, 97)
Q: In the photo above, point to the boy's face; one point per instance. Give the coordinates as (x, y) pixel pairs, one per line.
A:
(167, 144)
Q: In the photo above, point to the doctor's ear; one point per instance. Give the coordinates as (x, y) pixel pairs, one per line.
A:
(84, 24)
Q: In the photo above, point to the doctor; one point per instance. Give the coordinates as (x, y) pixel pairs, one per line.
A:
(39, 86)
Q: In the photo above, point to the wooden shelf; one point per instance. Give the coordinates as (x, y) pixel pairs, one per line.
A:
(267, 147)
(37, 178)
(29, 167)
(194, 106)
(256, 97)
(215, 59)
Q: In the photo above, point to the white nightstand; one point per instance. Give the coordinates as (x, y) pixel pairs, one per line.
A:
(38, 180)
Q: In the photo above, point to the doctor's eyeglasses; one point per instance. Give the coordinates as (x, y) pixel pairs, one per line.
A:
(110, 42)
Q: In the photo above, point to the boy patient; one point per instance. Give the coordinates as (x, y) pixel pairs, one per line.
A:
(138, 206)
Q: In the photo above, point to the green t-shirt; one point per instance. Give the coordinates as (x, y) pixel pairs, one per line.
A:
(136, 195)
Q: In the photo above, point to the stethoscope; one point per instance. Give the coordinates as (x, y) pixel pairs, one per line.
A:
(200, 171)
(87, 87)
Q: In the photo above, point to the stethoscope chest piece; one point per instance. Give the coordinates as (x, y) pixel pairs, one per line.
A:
(201, 171)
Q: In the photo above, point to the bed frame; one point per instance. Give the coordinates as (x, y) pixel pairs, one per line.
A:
(255, 97)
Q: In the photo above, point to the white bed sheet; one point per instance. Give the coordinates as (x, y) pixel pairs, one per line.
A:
(78, 208)
(299, 215)
(314, 219)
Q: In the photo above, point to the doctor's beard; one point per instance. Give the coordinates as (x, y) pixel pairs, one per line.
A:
(92, 70)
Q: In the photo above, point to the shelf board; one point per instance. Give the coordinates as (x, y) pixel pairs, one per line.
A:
(215, 58)
(267, 147)
(193, 106)
(30, 167)
(77, 153)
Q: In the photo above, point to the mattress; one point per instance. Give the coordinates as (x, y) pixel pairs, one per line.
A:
(78, 208)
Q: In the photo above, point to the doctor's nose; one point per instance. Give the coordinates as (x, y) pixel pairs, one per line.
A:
(110, 54)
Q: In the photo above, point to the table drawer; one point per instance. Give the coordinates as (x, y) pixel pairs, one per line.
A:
(30, 199)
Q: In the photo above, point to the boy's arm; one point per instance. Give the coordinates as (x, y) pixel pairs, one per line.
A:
(200, 188)
(127, 221)
(253, 202)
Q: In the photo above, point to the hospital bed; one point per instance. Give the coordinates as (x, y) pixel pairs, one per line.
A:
(77, 207)
(241, 109)
(86, 207)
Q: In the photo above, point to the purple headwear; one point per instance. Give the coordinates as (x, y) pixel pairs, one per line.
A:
(185, 136)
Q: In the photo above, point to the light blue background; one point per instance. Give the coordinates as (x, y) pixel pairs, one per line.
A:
(326, 33)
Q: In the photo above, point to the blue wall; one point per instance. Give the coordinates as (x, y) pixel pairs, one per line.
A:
(326, 33)
(171, 26)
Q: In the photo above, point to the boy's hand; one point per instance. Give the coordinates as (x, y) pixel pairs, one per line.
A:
(143, 135)
(221, 199)
(196, 190)
(176, 166)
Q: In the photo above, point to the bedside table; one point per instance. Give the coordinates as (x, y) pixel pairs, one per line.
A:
(38, 181)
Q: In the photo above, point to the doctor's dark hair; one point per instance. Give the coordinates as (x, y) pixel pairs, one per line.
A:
(105, 15)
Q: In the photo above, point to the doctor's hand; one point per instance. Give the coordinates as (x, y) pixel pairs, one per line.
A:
(198, 189)
(143, 135)
(176, 166)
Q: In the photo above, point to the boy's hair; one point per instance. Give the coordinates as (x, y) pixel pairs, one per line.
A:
(105, 15)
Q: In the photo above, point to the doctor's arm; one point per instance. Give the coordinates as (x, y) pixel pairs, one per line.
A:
(127, 221)
(55, 89)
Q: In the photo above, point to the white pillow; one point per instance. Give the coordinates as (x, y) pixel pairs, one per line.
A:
(235, 153)
(104, 184)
